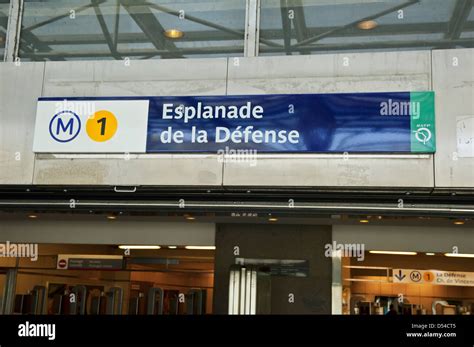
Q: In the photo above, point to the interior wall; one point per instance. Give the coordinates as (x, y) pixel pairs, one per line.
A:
(101, 231)
(312, 295)
(179, 280)
(419, 294)
(420, 261)
(27, 279)
(407, 238)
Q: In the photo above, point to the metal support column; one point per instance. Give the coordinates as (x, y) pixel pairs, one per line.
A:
(39, 299)
(153, 295)
(10, 288)
(336, 282)
(252, 28)
(195, 302)
(12, 41)
(79, 305)
(243, 290)
(114, 300)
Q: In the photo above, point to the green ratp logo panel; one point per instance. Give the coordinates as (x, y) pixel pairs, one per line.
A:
(422, 122)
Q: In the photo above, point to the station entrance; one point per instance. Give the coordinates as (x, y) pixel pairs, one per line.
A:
(105, 279)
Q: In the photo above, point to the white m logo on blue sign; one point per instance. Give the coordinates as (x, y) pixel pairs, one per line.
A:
(65, 126)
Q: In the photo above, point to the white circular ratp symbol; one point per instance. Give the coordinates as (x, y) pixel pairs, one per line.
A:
(423, 135)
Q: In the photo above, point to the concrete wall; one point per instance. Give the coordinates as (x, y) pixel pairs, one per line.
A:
(366, 72)
(407, 238)
(453, 81)
(168, 77)
(20, 86)
(100, 231)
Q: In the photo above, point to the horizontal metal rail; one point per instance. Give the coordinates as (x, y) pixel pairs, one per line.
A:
(257, 156)
(464, 210)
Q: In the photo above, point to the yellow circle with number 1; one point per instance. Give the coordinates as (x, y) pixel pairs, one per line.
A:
(102, 126)
(428, 276)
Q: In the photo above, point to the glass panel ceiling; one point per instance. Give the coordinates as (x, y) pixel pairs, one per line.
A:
(154, 29)
(314, 26)
(138, 29)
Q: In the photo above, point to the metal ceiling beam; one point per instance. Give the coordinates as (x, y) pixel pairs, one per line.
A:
(82, 39)
(238, 33)
(425, 195)
(458, 19)
(213, 35)
(252, 28)
(12, 28)
(31, 39)
(105, 30)
(148, 23)
(469, 42)
(286, 25)
(382, 30)
(141, 52)
(299, 22)
(28, 38)
(344, 27)
(3, 20)
(235, 50)
(116, 27)
(54, 19)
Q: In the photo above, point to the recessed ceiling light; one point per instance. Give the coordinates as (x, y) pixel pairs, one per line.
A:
(430, 253)
(458, 222)
(173, 33)
(363, 221)
(32, 216)
(172, 247)
(272, 219)
(111, 217)
(393, 252)
(190, 218)
(138, 247)
(201, 247)
(367, 24)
